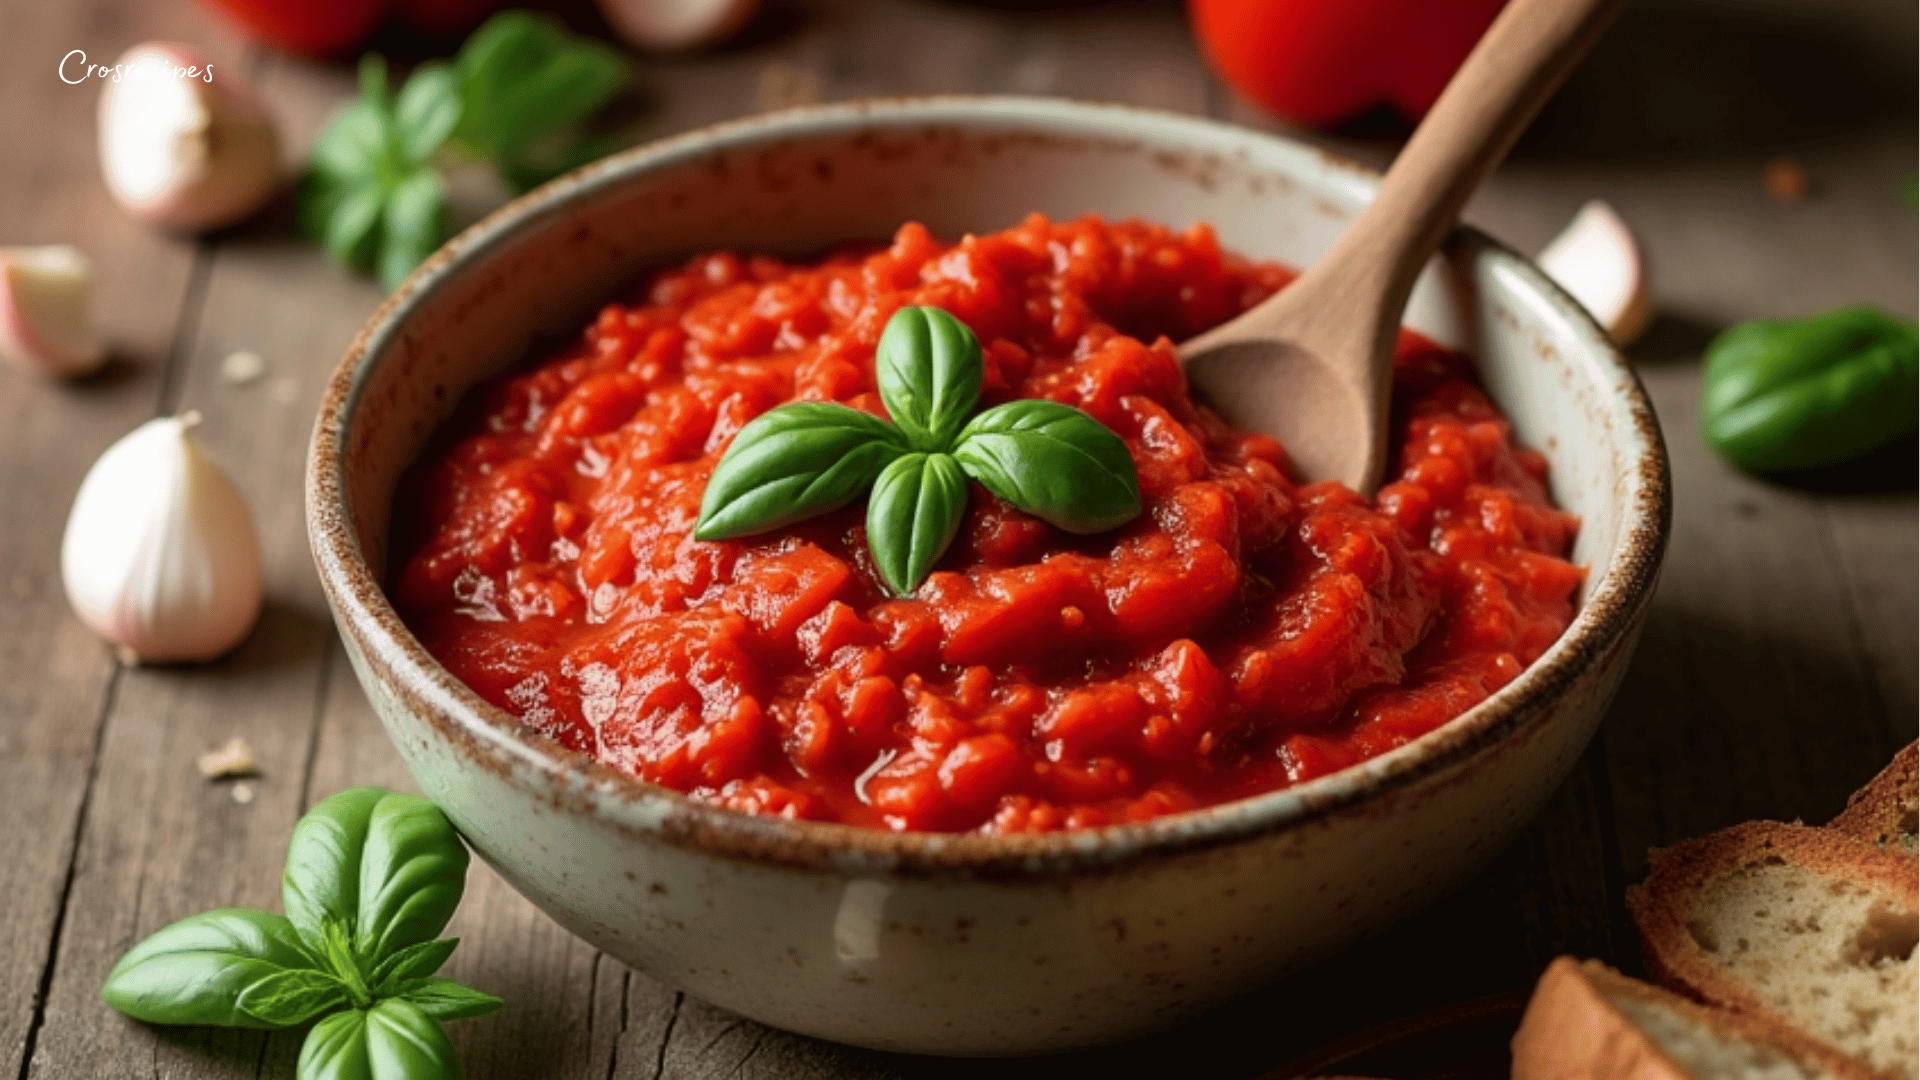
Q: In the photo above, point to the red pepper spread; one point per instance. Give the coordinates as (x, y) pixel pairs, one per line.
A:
(1243, 634)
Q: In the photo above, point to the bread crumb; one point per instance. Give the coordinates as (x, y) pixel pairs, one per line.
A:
(242, 367)
(243, 793)
(234, 758)
(1786, 180)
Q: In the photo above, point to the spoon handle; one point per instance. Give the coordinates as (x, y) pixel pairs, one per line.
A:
(1521, 60)
(1347, 306)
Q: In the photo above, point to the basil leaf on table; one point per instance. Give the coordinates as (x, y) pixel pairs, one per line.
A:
(371, 877)
(336, 1049)
(793, 463)
(322, 877)
(427, 111)
(390, 866)
(413, 872)
(368, 196)
(524, 78)
(928, 368)
(415, 225)
(352, 147)
(444, 999)
(1054, 462)
(394, 1040)
(1810, 392)
(915, 510)
(293, 997)
(353, 231)
(412, 963)
(197, 970)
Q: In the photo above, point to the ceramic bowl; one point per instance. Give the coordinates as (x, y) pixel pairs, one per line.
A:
(970, 944)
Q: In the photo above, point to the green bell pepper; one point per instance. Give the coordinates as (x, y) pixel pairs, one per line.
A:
(1799, 394)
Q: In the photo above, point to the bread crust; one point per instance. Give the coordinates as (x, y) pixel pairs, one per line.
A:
(1660, 906)
(1573, 1031)
(1882, 813)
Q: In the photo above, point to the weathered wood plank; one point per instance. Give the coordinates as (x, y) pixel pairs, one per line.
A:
(160, 842)
(55, 678)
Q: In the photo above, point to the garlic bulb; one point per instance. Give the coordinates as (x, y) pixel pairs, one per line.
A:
(180, 148)
(160, 555)
(46, 323)
(1599, 261)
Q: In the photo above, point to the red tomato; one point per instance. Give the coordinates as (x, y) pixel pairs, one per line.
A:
(1319, 62)
(320, 27)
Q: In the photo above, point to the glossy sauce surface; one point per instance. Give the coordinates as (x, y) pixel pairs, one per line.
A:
(1244, 634)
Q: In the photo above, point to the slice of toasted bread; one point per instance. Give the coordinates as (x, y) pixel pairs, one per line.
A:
(1589, 1022)
(1800, 926)
(1887, 811)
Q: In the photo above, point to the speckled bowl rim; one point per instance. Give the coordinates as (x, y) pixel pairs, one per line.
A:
(487, 737)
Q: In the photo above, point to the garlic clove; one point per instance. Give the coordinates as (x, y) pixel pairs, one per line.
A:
(160, 555)
(1598, 260)
(185, 152)
(46, 322)
(671, 25)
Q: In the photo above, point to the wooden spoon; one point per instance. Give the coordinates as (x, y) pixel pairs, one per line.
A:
(1313, 364)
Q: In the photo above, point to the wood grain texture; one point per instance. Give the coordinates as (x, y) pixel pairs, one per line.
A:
(1778, 671)
(56, 679)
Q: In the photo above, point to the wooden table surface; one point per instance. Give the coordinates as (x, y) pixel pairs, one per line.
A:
(1777, 671)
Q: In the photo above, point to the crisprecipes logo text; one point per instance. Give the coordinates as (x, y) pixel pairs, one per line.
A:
(74, 69)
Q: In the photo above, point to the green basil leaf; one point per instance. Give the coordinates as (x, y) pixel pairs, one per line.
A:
(394, 1040)
(322, 878)
(389, 866)
(336, 1049)
(444, 999)
(353, 229)
(353, 145)
(1054, 462)
(576, 80)
(503, 50)
(413, 872)
(792, 463)
(197, 970)
(1812, 392)
(929, 370)
(412, 963)
(315, 202)
(292, 998)
(404, 1043)
(523, 79)
(916, 508)
(373, 83)
(415, 225)
(427, 110)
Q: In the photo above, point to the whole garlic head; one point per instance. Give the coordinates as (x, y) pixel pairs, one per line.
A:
(160, 555)
(188, 152)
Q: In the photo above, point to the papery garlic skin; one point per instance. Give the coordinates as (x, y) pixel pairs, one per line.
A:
(160, 555)
(1599, 261)
(187, 153)
(46, 316)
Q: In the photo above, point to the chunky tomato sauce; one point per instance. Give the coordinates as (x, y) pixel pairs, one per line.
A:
(1244, 634)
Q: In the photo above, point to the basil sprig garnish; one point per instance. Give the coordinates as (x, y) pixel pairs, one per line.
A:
(371, 878)
(798, 461)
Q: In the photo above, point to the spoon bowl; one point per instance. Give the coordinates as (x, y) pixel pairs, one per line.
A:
(1312, 366)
